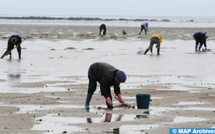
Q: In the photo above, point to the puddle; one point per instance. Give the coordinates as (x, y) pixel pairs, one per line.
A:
(14, 78)
(156, 98)
(187, 119)
(68, 123)
(189, 103)
(108, 117)
(6, 89)
(200, 108)
(160, 110)
(136, 129)
(55, 125)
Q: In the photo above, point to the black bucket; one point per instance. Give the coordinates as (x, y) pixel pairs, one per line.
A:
(143, 101)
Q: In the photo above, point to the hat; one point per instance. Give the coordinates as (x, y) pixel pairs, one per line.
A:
(121, 76)
(14, 40)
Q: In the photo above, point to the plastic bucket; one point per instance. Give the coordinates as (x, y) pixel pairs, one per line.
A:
(143, 101)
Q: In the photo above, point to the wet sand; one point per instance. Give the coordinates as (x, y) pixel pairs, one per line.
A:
(45, 91)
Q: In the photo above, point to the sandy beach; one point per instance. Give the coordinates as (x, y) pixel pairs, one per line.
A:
(45, 91)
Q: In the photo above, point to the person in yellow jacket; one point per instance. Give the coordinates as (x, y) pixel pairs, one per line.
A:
(154, 39)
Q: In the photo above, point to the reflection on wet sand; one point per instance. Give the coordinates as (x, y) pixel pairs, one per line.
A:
(145, 115)
(14, 78)
(50, 120)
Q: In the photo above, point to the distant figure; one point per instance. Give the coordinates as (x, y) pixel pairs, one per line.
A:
(200, 38)
(154, 39)
(102, 29)
(13, 40)
(107, 76)
(145, 27)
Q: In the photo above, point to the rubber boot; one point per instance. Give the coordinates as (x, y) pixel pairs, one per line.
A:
(87, 103)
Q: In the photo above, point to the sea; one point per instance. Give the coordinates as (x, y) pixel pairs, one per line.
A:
(124, 21)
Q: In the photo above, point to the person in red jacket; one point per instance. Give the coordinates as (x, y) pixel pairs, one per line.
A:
(107, 75)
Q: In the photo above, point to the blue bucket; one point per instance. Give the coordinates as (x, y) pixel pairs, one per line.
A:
(143, 101)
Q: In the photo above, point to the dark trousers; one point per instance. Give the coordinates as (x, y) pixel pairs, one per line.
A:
(154, 40)
(199, 42)
(143, 28)
(92, 88)
(10, 47)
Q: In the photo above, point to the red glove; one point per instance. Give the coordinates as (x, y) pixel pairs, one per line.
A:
(109, 102)
(120, 99)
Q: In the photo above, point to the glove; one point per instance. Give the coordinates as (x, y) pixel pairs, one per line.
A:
(120, 99)
(109, 102)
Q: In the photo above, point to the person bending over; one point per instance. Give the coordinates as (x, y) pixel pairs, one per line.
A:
(102, 29)
(13, 40)
(107, 76)
(200, 38)
(145, 27)
(154, 39)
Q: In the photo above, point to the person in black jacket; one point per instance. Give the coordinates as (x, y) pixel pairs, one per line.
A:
(107, 76)
(102, 28)
(200, 38)
(13, 40)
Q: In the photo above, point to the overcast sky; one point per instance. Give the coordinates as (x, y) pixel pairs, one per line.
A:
(101, 8)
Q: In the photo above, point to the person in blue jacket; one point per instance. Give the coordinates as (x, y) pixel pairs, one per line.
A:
(13, 40)
(107, 76)
(200, 38)
(145, 27)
